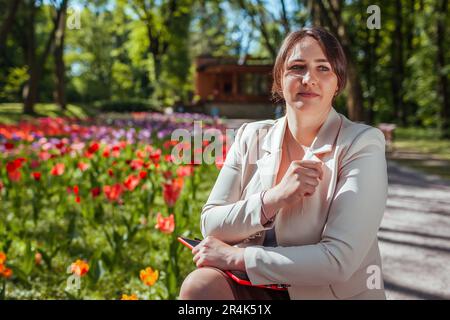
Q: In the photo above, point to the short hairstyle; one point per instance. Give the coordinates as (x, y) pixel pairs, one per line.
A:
(330, 46)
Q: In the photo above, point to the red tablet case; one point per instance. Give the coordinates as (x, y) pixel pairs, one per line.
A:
(239, 277)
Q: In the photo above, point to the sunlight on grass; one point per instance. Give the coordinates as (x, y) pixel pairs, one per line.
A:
(11, 113)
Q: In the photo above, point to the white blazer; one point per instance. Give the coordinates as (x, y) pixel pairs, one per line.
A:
(328, 247)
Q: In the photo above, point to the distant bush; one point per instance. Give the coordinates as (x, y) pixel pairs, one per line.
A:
(126, 106)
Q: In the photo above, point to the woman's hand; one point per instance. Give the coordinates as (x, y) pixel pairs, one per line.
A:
(300, 180)
(211, 252)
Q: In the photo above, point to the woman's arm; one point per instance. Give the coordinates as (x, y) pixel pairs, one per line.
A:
(224, 215)
(355, 215)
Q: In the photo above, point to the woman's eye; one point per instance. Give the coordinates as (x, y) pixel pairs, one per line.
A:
(323, 68)
(297, 67)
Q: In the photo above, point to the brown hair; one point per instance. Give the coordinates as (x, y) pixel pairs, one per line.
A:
(330, 46)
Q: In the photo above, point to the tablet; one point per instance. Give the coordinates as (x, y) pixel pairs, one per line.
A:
(240, 277)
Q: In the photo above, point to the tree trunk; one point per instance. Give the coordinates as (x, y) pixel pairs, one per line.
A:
(35, 69)
(443, 77)
(8, 23)
(400, 111)
(31, 58)
(60, 70)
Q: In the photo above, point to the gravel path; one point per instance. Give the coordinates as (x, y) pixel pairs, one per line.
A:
(415, 235)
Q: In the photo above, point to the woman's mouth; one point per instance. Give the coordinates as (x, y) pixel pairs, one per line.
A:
(308, 95)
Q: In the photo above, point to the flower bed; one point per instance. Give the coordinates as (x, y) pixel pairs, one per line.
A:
(92, 210)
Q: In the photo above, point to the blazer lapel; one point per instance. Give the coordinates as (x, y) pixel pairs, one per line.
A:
(270, 160)
(269, 163)
(326, 137)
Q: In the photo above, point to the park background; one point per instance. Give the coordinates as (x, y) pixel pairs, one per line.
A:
(90, 92)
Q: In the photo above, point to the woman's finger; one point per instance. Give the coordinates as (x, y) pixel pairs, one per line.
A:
(315, 165)
(313, 173)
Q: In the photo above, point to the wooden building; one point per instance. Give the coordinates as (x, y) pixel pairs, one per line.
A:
(235, 90)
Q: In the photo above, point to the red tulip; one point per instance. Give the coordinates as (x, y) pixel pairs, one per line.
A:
(14, 175)
(93, 148)
(95, 192)
(44, 155)
(172, 190)
(113, 193)
(15, 164)
(183, 171)
(58, 169)
(34, 164)
(136, 164)
(116, 151)
(37, 176)
(106, 152)
(131, 182)
(142, 174)
(155, 155)
(168, 158)
(82, 166)
(12, 167)
(9, 146)
(165, 225)
(140, 154)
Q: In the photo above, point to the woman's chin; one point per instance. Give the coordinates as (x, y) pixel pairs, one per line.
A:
(302, 105)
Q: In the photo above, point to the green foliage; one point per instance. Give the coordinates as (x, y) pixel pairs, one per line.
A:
(130, 105)
(145, 50)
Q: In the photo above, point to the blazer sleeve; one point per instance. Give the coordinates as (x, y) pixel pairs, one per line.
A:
(354, 218)
(226, 216)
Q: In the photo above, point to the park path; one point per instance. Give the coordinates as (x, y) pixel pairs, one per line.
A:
(414, 235)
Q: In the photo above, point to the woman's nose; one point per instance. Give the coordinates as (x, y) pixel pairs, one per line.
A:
(308, 78)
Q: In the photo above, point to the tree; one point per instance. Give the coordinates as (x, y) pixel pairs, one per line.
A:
(35, 64)
(8, 22)
(159, 19)
(332, 13)
(58, 53)
(442, 9)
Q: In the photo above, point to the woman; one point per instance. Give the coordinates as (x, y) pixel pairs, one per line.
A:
(300, 199)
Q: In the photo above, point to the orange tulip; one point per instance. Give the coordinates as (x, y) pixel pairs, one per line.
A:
(129, 297)
(79, 267)
(148, 276)
(4, 272)
(38, 258)
(165, 225)
(7, 273)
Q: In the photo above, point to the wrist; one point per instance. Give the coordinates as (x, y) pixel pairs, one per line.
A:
(237, 261)
(273, 198)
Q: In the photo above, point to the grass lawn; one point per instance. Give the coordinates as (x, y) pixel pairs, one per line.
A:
(11, 113)
(422, 149)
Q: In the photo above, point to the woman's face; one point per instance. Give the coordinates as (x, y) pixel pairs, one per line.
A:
(308, 81)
